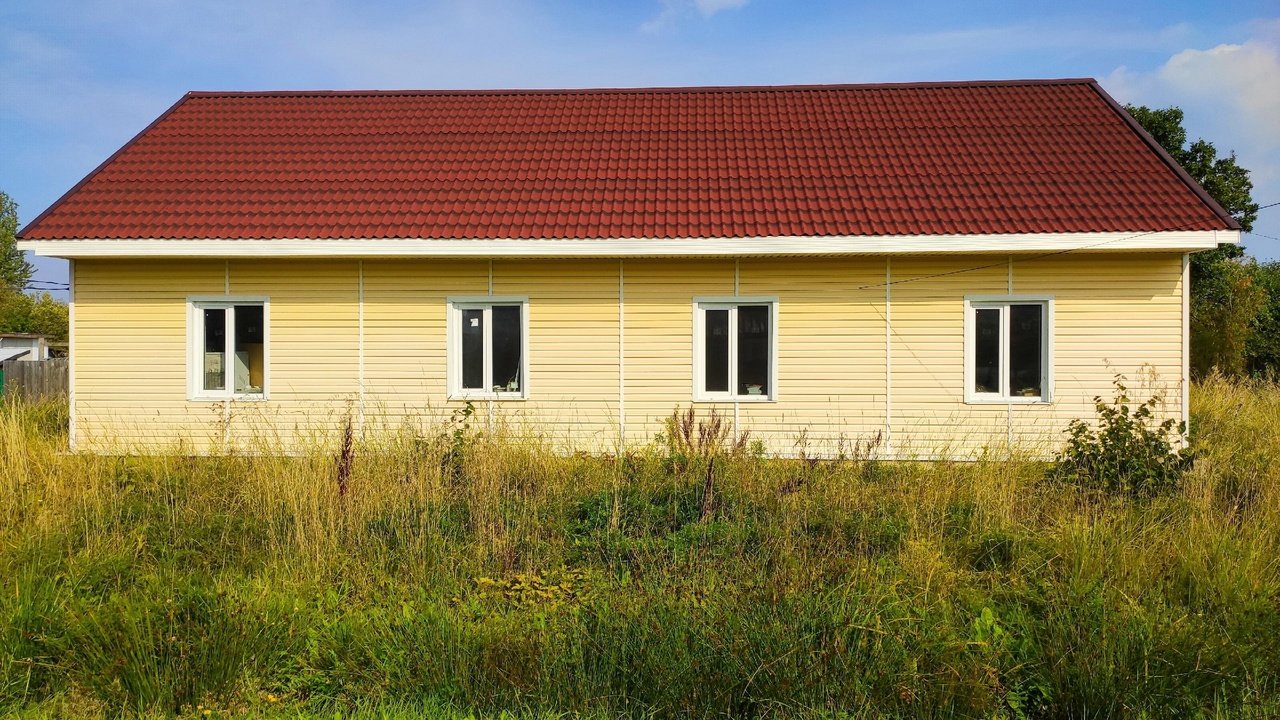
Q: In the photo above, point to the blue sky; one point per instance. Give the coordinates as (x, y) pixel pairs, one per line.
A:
(78, 78)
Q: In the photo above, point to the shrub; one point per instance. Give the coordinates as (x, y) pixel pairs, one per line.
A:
(1128, 452)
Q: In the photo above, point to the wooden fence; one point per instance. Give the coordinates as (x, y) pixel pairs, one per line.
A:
(35, 380)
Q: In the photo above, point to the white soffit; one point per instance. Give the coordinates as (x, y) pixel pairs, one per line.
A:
(1180, 241)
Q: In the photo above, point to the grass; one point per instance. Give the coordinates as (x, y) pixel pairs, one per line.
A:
(465, 575)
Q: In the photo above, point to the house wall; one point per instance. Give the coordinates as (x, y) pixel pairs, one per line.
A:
(868, 347)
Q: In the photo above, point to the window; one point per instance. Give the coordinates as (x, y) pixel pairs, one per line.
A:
(1008, 354)
(487, 342)
(735, 344)
(228, 349)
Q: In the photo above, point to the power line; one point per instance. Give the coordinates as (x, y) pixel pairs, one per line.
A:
(1041, 256)
(66, 286)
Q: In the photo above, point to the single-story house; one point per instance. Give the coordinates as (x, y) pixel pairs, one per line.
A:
(936, 268)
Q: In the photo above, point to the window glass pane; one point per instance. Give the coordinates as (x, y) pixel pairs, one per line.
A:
(506, 348)
(986, 350)
(473, 349)
(214, 349)
(753, 350)
(1026, 340)
(248, 349)
(716, 351)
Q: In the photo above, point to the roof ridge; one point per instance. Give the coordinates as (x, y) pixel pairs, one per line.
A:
(674, 89)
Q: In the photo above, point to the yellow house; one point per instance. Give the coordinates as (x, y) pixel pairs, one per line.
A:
(935, 269)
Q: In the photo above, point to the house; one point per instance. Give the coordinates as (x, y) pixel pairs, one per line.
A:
(945, 267)
(27, 347)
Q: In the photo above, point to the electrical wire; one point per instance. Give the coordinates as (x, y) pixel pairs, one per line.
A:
(66, 286)
(1041, 256)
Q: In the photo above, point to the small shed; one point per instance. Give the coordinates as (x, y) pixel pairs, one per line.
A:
(29, 347)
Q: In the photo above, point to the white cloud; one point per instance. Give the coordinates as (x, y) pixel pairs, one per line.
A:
(1242, 79)
(1230, 95)
(673, 10)
(711, 7)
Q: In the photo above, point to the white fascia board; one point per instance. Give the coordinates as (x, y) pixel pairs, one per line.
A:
(1180, 241)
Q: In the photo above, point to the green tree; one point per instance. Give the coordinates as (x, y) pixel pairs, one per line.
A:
(20, 312)
(42, 314)
(1227, 300)
(15, 311)
(1264, 345)
(50, 317)
(15, 271)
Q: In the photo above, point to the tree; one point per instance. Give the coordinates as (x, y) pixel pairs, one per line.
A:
(15, 271)
(1228, 303)
(20, 312)
(1222, 178)
(1264, 346)
(50, 317)
(42, 314)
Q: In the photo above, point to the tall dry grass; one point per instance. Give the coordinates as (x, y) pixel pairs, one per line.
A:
(457, 571)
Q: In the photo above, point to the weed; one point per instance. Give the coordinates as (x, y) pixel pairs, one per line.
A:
(1128, 452)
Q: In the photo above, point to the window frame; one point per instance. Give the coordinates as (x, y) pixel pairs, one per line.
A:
(731, 303)
(196, 305)
(972, 303)
(453, 345)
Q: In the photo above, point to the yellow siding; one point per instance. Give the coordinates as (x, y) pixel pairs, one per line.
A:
(130, 354)
(1122, 316)
(1113, 314)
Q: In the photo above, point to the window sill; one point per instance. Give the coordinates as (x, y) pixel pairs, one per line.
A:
(224, 398)
(1012, 400)
(737, 399)
(463, 397)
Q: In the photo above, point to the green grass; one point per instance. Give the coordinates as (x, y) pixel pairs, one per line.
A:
(473, 576)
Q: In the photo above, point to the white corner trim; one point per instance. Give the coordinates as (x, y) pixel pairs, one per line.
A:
(1185, 401)
(1181, 241)
(71, 355)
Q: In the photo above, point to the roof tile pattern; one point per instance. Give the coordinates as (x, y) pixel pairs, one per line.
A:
(948, 158)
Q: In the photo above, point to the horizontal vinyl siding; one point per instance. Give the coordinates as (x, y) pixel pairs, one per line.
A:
(405, 303)
(131, 354)
(313, 339)
(830, 316)
(927, 340)
(659, 338)
(1119, 317)
(1113, 314)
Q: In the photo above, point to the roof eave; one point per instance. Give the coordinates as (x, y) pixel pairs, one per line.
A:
(1033, 243)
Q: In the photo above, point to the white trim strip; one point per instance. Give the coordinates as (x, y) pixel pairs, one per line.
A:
(360, 343)
(888, 355)
(637, 247)
(1185, 401)
(733, 350)
(622, 358)
(71, 355)
(1008, 414)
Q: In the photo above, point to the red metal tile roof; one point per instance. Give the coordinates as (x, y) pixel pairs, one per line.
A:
(938, 158)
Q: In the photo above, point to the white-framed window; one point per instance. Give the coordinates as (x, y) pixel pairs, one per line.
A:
(488, 348)
(1008, 349)
(735, 349)
(228, 348)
